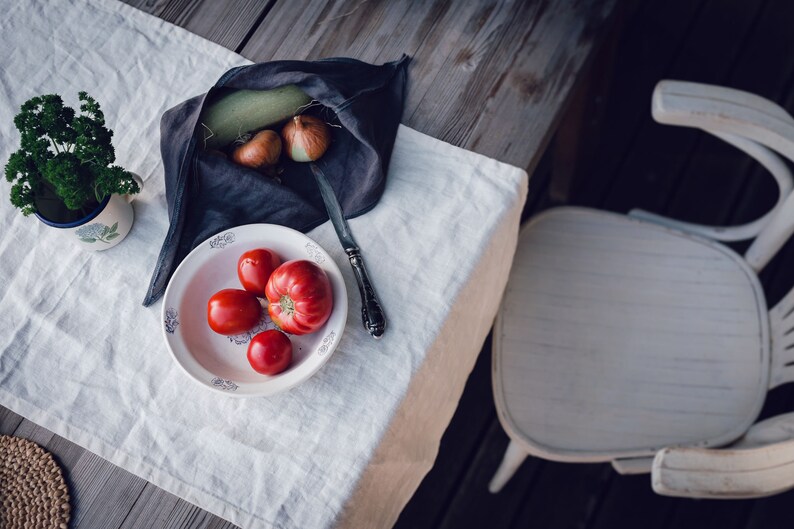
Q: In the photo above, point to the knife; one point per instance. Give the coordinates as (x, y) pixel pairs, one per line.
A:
(371, 312)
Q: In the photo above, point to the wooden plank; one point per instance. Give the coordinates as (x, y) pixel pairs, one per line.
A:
(157, 509)
(706, 514)
(153, 509)
(490, 78)
(630, 502)
(771, 513)
(658, 155)
(185, 515)
(218, 523)
(102, 493)
(563, 495)
(8, 421)
(33, 432)
(473, 506)
(225, 23)
(524, 98)
(310, 30)
(650, 45)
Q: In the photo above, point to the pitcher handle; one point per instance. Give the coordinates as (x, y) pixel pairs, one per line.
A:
(139, 181)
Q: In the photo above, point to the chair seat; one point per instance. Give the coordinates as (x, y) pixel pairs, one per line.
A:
(618, 337)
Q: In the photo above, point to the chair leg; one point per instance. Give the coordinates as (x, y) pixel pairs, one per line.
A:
(514, 456)
(634, 465)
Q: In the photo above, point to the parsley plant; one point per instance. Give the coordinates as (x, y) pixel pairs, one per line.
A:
(64, 153)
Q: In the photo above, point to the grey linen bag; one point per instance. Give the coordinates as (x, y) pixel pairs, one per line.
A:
(207, 194)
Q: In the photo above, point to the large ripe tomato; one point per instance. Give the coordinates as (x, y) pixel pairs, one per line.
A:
(299, 297)
(232, 311)
(270, 352)
(254, 268)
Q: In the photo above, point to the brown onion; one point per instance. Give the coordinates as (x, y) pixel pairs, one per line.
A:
(260, 151)
(306, 138)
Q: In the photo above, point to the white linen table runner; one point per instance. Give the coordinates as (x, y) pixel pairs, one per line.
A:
(82, 357)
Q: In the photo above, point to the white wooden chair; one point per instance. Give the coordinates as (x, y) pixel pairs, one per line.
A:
(643, 341)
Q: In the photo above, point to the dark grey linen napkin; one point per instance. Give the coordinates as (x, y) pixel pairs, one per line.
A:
(207, 194)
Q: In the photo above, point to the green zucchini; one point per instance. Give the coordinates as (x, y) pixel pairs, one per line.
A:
(238, 112)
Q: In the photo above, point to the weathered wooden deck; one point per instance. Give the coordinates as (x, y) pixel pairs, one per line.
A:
(623, 160)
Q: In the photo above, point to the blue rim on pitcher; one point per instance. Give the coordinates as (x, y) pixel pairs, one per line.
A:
(77, 222)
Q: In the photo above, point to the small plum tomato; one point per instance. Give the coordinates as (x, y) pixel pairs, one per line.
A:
(254, 268)
(270, 352)
(233, 311)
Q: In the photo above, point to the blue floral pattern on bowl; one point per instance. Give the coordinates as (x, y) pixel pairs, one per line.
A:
(222, 240)
(327, 341)
(314, 252)
(171, 320)
(225, 385)
(264, 324)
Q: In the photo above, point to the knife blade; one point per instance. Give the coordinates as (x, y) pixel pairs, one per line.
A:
(371, 311)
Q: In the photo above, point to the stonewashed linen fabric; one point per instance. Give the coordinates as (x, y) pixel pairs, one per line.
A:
(80, 356)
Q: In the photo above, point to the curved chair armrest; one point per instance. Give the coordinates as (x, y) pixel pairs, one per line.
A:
(760, 464)
(750, 123)
(724, 110)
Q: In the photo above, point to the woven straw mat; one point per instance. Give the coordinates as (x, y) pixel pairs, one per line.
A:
(32, 490)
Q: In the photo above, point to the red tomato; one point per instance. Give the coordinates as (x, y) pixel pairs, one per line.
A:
(270, 352)
(254, 268)
(299, 297)
(232, 311)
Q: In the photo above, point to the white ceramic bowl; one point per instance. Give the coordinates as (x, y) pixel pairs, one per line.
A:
(219, 362)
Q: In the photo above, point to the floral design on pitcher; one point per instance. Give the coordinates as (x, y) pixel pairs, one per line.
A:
(171, 320)
(225, 385)
(220, 241)
(97, 231)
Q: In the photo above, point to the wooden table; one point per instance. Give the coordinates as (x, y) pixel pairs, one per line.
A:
(494, 78)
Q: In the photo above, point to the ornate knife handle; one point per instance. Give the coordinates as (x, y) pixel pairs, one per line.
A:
(371, 313)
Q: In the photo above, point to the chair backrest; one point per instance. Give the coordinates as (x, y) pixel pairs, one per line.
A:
(752, 124)
(756, 126)
(781, 326)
